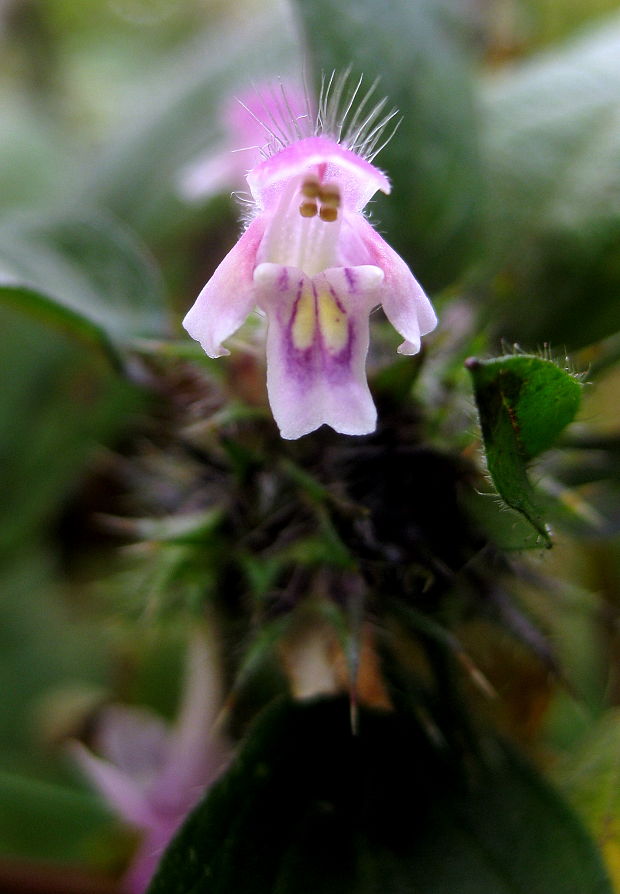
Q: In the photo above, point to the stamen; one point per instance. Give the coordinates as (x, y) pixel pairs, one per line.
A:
(308, 209)
(311, 187)
(327, 214)
(329, 194)
(298, 235)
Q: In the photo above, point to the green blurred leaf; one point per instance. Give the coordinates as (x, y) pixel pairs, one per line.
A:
(259, 650)
(34, 162)
(590, 778)
(591, 463)
(547, 22)
(552, 145)
(42, 646)
(591, 775)
(524, 402)
(87, 274)
(261, 572)
(47, 822)
(432, 216)
(308, 807)
(325, 549)
(57, 406)
(175, 116)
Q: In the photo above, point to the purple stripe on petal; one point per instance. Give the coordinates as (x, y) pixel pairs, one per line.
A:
(316, 347)
(283, 280)
(336, 363)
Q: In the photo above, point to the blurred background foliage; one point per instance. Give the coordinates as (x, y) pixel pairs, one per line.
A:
(506, 202)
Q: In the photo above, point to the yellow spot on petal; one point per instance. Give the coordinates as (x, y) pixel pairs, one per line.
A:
(332, 322)
(304, 323)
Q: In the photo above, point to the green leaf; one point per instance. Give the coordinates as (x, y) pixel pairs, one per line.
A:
(35, 163)
(57, 404)
(42, 646)
(48, 309)
(590, 774)
(552, 144)
(432, 215)
(524, 402)
(589, 778)
(548, 25)
(47, 822)
(87, 274)
(308, 806)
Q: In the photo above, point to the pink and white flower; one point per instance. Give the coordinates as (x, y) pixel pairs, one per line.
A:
(313, 263)
(224, 166)
(152, 775)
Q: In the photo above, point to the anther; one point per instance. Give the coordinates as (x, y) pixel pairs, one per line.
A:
(330, 195)
(311, 186)
(308, 209)
(328, 214)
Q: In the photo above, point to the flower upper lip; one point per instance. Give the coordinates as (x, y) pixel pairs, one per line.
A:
(357, 178)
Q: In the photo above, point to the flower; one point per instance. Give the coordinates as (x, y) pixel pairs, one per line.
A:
(314, 264)
(152, 775)
(220, 169)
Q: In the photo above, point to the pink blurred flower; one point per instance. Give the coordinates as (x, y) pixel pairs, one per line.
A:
(314, 264)
(224, 169)
(152, 775)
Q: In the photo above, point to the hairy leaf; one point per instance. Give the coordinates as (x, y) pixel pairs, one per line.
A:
(524, 403)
